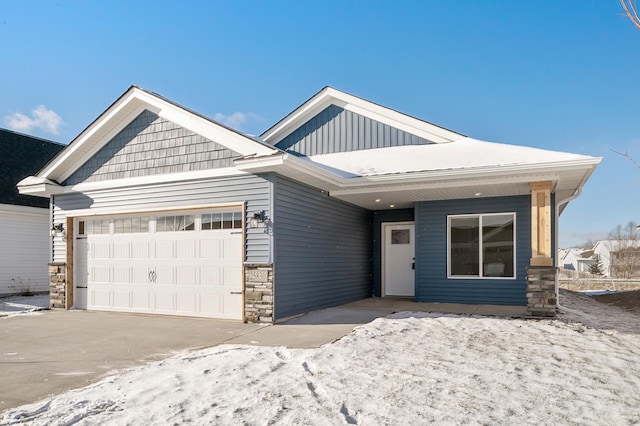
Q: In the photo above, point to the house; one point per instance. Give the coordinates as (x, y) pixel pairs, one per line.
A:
(162, 210)
(576, 259)
(24, 219)
(618, 258)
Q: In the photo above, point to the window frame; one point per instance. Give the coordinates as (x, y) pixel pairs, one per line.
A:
(480, 275)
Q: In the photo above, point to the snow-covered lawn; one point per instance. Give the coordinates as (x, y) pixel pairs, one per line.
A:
(410, 368)
(22, 304)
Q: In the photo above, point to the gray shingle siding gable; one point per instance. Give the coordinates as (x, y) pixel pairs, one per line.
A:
(338, 130)
(432, 284)
(151, 145)
(322, 250)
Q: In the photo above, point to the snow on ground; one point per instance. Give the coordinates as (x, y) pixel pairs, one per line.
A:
(409, 368)
(22, 304)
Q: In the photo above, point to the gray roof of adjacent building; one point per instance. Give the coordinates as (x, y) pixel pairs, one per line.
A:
(21, 156)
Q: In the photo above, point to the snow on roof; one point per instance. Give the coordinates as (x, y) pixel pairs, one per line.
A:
(463, 153)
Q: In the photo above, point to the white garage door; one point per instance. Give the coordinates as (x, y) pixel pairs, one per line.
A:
(184, 263)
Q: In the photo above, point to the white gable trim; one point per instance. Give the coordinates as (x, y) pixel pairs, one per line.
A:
(329, 96)
(123, 111)
(47, 188)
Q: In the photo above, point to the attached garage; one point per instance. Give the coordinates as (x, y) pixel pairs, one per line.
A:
(173, 263)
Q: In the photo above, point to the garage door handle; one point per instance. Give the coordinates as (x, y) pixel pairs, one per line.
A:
(235, 292)
(152, 276)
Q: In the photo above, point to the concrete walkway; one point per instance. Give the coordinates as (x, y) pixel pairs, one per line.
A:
(50, 352)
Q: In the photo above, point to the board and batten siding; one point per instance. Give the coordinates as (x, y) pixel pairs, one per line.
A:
(322, 250)
(253, 190)
(432, 284)
(25, 249)
(338, 130)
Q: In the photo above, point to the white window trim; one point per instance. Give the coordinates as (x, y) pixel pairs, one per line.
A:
(480, 277)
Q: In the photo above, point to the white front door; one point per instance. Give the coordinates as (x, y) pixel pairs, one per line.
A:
(178, 263)
(398, 254)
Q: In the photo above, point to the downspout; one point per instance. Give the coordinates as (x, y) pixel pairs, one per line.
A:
(563, 202)
(51, 202)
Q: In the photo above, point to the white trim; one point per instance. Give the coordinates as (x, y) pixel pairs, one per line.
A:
(329, 96)
(115, 211)
(43, 190)
(480, 254)
(12, 208)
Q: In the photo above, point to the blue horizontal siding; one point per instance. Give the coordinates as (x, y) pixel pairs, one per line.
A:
(378, 218)
(432, 284)
(322, 250)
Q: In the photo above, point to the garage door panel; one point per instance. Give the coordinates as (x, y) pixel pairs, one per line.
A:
(186, 275)
(164, 275)
(210, 304)
(100, 250)
(140, 275)
(140, 250)
(121, 298)
(210, 276)
(164, 299)
(165, 249)
(100, 274)
(121, 274)
(186, 249)
(186, 302)
(232, 277)
(231, 248)
(182, 271)
(101, 297)
(121, 250)
(210, 249)
(141, 300)
(231, 304)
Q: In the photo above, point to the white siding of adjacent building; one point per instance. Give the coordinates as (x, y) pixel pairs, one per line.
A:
(24, 249)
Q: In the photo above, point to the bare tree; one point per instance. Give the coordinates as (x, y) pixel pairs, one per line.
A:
(624, 256)
(631, 11)
(628, 157)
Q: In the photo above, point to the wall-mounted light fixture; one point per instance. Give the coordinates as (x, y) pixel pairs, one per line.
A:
(57, 230)
(256, 219)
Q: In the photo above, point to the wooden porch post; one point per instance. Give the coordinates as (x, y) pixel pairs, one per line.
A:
(541, 223)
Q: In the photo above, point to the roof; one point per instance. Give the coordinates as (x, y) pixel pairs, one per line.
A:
(452, 167)
(464, 153)
(21, 156)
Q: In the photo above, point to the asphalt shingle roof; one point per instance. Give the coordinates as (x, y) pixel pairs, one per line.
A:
(22, 156)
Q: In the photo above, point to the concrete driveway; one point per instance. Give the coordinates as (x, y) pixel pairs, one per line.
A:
(49, 352)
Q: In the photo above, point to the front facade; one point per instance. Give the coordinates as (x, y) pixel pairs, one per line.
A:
(160, 210)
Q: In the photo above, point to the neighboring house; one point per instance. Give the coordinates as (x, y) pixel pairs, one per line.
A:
(24, 219)
(619, 258)
(576, 259)
(166, 211)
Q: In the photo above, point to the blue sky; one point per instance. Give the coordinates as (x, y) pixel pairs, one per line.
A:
(559, 75)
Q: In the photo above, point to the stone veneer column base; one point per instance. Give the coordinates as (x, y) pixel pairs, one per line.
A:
(258, 293)
(541, 291)
(57, 285)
